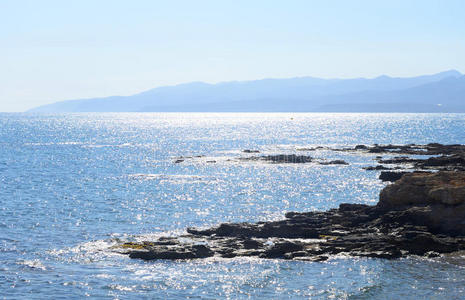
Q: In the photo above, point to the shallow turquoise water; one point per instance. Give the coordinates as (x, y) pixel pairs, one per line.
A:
(71, 186)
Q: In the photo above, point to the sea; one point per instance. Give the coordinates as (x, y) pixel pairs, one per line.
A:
(72, 186)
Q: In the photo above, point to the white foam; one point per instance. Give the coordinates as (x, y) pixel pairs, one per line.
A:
(34, 264)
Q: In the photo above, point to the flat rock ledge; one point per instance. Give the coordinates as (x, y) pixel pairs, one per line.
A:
(420, 214)
(292, 159)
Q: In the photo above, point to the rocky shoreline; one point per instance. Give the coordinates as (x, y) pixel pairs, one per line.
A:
(421, 213)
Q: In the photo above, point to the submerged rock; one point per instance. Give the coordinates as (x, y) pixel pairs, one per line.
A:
(334, 162)
(287, 158)
(155, 251)
(377, 168)
(412, 149)
(250, 151)
(293, 159)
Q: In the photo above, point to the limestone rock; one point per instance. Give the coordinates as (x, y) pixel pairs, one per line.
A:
(447, 188)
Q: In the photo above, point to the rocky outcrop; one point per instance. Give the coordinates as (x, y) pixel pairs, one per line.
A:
(446, 158)
(419, 214)
(250, 151)
(446, 188)
(391, 176)
(376, 168)
(293, 159)
(281, 158)
(334, 162)
(455, 162)
(174, 251)
(410, 149)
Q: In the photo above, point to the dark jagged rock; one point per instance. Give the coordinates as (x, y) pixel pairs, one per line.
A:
(455, 160)
(305, 149)
(334, 162)
(293, 159)
(250, 151)
(287, 158)
(446, 157)
(411, 149)
(377, 168)
(280, 158)
(391, 176)
(361, 147)
(400, 160)
(156, 251)
(394, 176)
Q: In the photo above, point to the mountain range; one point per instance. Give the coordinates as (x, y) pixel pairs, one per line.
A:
(441, 92)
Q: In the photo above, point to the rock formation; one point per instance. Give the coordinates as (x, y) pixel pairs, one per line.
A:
(419, 214)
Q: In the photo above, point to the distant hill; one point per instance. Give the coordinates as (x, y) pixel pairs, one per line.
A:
(442, 92)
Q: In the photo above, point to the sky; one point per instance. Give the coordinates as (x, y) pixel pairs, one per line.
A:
(57, 50)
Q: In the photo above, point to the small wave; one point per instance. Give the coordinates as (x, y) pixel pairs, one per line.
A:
(87, 252)
(120, 287)
(164, 176)
(33, 264)
(124, 145)
(101, 249)
(105, 276)
(98, 146)
(177, 179)
(155, 235)
(52, 144)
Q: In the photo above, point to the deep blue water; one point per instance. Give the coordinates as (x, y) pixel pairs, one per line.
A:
(71, 186)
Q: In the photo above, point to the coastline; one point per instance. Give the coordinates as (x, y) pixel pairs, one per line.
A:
(421, 213)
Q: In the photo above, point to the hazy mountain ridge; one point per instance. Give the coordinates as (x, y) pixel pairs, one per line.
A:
(441, 92)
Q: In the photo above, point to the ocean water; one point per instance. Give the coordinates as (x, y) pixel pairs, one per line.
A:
(74, 185)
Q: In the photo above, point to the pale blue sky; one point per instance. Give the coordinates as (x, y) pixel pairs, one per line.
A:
(57, 50)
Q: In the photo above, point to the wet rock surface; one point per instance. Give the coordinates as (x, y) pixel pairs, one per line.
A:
(420, 214)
